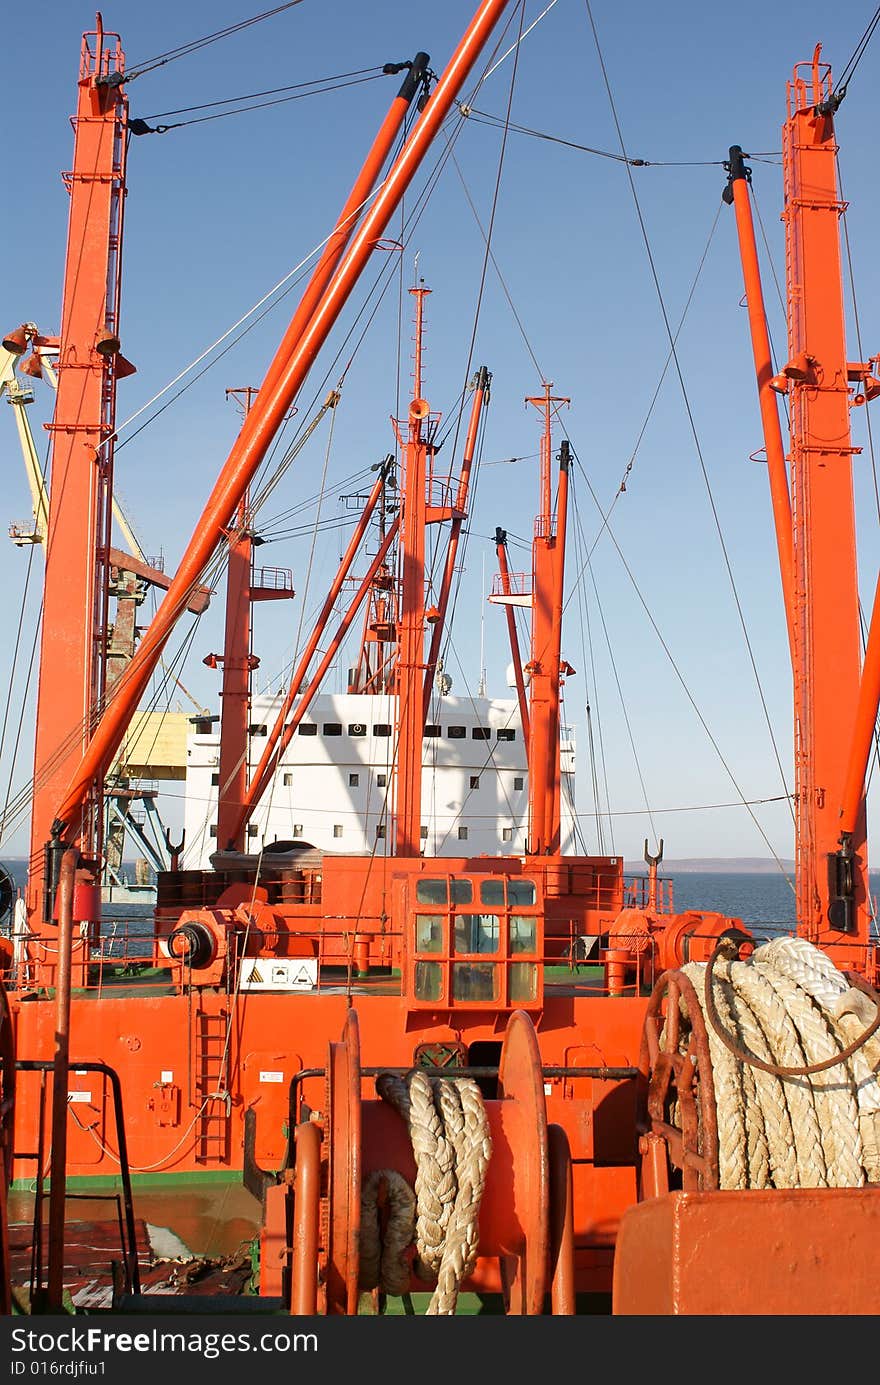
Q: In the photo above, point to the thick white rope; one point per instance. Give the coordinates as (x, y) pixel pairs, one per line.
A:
(789, 1006)
(450, 1136)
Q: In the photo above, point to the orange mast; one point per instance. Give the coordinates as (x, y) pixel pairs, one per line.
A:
(411, 643)
(237, 662)
(74, 632)
(548, 558)
(737, 194)
(831, 882)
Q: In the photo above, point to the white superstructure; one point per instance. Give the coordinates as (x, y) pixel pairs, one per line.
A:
(334, 787)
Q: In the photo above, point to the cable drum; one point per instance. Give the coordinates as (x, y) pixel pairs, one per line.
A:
(452, 1145)
(786, 1010)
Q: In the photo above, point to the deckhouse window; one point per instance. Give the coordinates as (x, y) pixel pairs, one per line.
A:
(467, 954)
(382, 728)
(307, 728)
(332, 728)
(476, 932)
(432, 891)
(521, 892)
(481, 733)
(457, 733)
(505, 733)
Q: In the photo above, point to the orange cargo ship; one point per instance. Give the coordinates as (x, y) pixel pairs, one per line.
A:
(521, 1078)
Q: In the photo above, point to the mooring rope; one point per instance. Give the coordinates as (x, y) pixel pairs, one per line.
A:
(795, 1065)
(451, 1143)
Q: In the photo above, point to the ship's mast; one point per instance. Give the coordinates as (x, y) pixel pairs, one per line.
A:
(548, 560)
(411, 635)
(831, 889)
(74, 631)
(835, 702)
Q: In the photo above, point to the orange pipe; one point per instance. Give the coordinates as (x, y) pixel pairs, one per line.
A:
(562, 1290)
(236, 685)
(306, 1220)
(865, 725)
(776, 469)
(554, 797)
(411, 625)
(60, 1081)
(270, 408)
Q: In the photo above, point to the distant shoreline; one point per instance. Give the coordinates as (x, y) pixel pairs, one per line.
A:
(718, 865)
(690, 865)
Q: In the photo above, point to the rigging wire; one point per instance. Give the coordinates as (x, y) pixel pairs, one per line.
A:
(515, 46)
(7, 804)
(669, 357)
(688, 409)
(298, 269)
(858, 327)
(587, 646)
(482, 284)
(497, 268)
(194, 45)
(272, 91)
(139, 126)
(486, 118)
(688, 694)
(623, 707)
(831, 105)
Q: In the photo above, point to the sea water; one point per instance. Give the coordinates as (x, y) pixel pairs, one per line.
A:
(762, 900)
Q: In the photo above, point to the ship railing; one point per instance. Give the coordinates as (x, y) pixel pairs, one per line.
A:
(637, 894)
(545, 527)
(123, 952)
(124, 1202)
(276, 579)
(441, 491)
(511, 584)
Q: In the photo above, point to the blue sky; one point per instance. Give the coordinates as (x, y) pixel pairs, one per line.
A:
(220, 211)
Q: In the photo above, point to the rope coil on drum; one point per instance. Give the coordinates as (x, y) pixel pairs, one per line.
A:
(795, 1057)
(451, 1143)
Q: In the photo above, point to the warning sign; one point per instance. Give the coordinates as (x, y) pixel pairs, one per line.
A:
(292, 974)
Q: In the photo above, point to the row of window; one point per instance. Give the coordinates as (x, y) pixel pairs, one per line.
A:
(385, 728)
(496, 891)
(506, 832)
(354, 780)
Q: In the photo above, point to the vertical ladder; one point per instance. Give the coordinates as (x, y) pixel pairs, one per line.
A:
(212, 1126)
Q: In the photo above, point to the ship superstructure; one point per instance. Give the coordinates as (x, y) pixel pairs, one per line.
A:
(332, 786)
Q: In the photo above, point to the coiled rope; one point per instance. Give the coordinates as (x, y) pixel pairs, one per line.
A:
(795, 1065)
(450, 1137)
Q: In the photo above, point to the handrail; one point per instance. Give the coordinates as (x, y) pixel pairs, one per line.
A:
(130, 1260)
